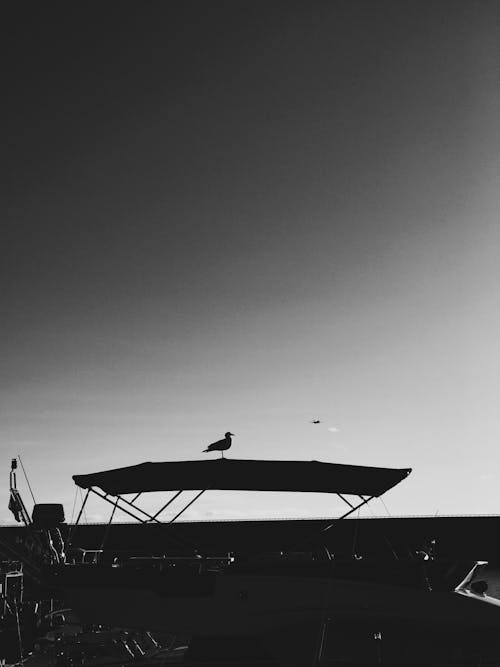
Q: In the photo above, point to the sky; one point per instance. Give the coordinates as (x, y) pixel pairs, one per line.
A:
(246, 216)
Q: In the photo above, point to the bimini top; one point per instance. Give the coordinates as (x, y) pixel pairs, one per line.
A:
(245, 475)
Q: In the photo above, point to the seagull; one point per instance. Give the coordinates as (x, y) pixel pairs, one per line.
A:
(220, 445)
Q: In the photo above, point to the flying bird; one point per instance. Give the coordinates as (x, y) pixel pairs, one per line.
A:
(220, 445)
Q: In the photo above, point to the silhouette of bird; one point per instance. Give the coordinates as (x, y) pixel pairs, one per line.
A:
(316, 421)
(220, 445)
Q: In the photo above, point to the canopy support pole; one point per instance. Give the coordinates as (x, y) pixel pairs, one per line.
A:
(345, 500)
(82, 508)
(138, 509)
(354, 508)
(188, 505)
(72, 532)
(117, 505)
(177, 541)
(150, 517)
(106, 532)
(166, 505)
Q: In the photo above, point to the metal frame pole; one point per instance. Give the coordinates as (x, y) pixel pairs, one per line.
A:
(137, 509)
(354, 508)
(104, 497)
(72, 533)
(188, 505)
(145, 521)
(106, 532)
(345, 500)
(343, 516)
(166, 505)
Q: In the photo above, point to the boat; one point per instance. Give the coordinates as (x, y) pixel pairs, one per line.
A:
(285, 602)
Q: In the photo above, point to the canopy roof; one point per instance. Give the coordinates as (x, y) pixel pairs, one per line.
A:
(245, 475)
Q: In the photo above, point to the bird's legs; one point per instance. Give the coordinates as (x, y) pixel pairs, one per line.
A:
(222, 453)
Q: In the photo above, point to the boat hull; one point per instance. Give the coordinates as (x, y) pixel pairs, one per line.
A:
(246, 604)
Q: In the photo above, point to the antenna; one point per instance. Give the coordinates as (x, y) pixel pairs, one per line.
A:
(26, 478)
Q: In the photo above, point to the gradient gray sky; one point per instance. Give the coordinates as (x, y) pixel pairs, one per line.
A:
(246, 215)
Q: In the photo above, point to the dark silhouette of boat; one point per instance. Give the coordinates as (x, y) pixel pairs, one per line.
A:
(287, 602)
